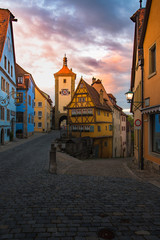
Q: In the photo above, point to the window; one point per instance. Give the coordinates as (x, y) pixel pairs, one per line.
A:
(19, 97)
(105, 144)
(34, 124)
(39, 125)
(39, 113)
(106, 127)
(7, 88)
(34, 104)
(20, 80)
(29, 100)
(3, 87)
(2, 113)
(13, 93)
(9, 67)
(19, 117)
(81, 99)
(107, 114)
(8, 115)
(64, 81)
(110, 127)
(98, 112)
(34, 113)
(39, 104)
(29, 119)
(155, 123)
(11, 71)
(99, 128)
(5, 62)
(152, 59)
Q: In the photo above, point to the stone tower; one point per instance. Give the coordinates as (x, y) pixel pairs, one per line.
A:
(64, 90)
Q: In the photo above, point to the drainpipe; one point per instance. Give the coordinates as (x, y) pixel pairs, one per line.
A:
(142, 100)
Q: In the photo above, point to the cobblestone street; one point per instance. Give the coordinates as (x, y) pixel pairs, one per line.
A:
(75, 204)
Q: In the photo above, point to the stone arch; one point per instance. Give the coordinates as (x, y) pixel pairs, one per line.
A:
(63, 122)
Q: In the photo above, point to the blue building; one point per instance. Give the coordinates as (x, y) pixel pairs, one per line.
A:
(7, 77)
(25, 103)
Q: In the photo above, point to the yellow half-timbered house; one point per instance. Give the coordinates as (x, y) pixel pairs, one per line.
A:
(90, 116)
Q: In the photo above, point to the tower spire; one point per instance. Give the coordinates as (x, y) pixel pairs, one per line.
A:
(140, 3)
(65, 60)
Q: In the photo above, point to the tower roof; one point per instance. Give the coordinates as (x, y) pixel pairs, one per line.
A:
(65, 70)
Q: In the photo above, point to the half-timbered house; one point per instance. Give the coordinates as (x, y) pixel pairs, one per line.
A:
(89, 115)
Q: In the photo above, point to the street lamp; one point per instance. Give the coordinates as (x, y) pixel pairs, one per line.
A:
(129, 97)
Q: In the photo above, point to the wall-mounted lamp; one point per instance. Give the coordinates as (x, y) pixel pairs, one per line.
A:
(129, 97)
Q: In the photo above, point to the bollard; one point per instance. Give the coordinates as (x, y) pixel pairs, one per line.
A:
(52, 163)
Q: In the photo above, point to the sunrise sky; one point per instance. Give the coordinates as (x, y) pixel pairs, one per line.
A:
(96, 35)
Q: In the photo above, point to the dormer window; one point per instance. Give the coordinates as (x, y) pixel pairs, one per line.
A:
(20, 80)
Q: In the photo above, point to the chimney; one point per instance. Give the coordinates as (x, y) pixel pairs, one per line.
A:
(93, 80)
(101, 96)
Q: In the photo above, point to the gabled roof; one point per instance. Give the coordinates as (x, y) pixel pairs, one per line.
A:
(98, 86)
(95, 97)
(20, 71)
(5, 17)
(147, 12)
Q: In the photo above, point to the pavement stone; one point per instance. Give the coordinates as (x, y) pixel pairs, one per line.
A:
(84, 197)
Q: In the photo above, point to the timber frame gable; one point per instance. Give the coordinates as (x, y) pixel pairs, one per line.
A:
(81, 109)
(84, 104)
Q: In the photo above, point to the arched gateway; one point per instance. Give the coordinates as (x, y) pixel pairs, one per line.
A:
(64, 90)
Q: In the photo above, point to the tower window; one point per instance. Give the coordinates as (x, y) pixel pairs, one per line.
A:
(64, 81)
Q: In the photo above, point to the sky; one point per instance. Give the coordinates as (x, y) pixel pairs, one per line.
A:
(96, 36)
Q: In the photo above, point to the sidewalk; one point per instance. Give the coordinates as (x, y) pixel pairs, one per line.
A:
(17, 141)
(114, 167)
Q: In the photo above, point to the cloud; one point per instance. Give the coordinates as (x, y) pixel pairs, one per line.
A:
(96, 35)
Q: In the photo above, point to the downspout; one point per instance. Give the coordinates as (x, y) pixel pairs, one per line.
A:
(142, 100)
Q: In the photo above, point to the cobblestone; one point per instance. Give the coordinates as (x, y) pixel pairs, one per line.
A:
(35, 204)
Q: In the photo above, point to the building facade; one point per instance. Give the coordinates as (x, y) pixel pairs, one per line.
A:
(25, 103)
(42, 111)
(89, 115)
(64, 90)
(116, 116)
(7, 78)
(136, 82)
(123, 128)
(150, 43)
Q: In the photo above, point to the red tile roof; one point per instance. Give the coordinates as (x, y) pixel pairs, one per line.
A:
(65, 71)
(95, 96)
(5, 17)
(98, 86)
